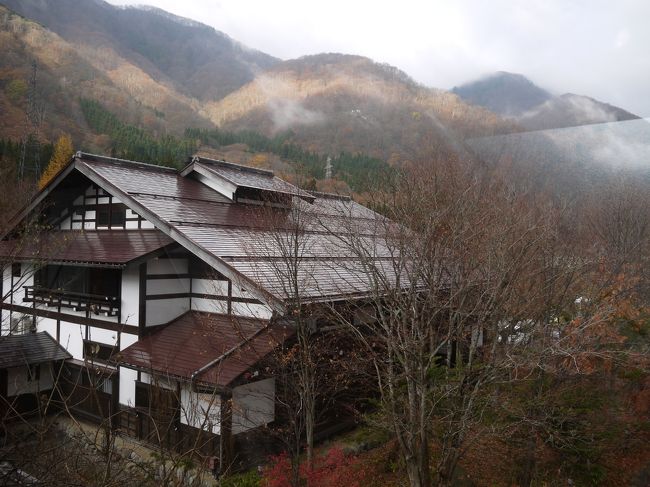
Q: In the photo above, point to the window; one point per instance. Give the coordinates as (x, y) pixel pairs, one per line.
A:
(16, 270)
(34, 373)
(21, 324)
(97, 352)
(88, 280)
(111, 215)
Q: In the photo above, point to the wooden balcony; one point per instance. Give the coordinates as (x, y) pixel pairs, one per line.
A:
(90, 303)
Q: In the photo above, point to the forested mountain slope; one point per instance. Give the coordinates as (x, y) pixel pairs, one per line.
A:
(342, 102)
(197, 60)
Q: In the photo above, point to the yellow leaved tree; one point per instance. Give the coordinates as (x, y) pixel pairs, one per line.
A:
(62, 153)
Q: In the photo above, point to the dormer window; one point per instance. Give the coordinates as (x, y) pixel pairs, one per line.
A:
(258, 196)
(244, 184)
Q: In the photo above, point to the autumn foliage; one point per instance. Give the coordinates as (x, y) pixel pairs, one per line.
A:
(62, 153)
(334, 469)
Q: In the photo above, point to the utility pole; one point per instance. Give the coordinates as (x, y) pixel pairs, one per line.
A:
(33, 121)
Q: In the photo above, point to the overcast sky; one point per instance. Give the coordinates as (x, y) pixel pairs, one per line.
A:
(599, 48)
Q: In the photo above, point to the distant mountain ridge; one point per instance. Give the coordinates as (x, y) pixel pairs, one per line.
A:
(516, 97)
(504, 93)
(162, 73)
(337, 101)
(197, 59)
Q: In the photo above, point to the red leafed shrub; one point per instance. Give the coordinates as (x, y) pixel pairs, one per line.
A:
(335, 469)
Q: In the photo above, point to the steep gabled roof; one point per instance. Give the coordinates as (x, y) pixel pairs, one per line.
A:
(240, 240)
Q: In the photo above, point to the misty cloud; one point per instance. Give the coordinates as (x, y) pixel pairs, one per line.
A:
(614, 146)
(285, 109)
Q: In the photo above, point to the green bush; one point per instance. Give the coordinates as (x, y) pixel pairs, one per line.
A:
(246, 479)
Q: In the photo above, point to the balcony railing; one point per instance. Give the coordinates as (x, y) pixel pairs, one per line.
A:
(57, 298)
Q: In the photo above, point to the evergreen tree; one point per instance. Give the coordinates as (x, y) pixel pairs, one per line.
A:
(62, 153)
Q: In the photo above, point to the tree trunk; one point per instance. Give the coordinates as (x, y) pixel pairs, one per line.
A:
(413, 470)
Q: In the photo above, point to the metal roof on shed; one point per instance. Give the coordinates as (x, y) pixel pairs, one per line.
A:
(30, 349)
(230, 345)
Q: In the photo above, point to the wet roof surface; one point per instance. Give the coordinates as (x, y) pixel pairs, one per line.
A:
(30, 349)
(113, 247)
(247, 236)
(195, 339)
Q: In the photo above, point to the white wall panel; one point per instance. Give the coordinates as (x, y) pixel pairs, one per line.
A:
(200, 410)
(108, 337)
(130, 295)
(210, 286)
(127, 386)
(160, 311)
(72, 336)
(253, 405)
(260, 311)
(209, 305)
(126, 340)
(167, 266)
(48, 325)
(167, 286)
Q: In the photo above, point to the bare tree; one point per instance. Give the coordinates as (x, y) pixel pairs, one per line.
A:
(463, 273)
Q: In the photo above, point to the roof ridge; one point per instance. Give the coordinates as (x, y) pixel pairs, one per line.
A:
(334, 196)
(232, 165)
(86, 156)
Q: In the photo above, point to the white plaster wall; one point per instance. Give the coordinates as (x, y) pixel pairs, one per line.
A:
(199, 410)
(127, 386)
(72, 336)
(65, 224)
(17, 382)
(252, 310)
(209, 305)
(167, 266)
(253, 405)
(210, 286)
(130, 295)
(162, 311)
(127, 339)
(147, 224)
(238, 292)
(167, 286)
(46, 324)
(100, 335)
(6, 284)
(5, 323)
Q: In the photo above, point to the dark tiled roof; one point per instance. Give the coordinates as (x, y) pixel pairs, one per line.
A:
(194, 340)
(113, 247)
(30, 349)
